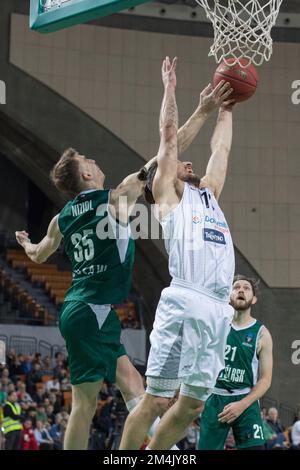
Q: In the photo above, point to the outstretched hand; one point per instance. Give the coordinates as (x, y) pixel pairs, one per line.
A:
(168, 72)
(22, 237)
(212, 98)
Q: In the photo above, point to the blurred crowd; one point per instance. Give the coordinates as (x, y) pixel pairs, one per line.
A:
(35, 404)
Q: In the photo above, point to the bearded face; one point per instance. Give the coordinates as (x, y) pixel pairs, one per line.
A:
(186, 173)
(242, 295)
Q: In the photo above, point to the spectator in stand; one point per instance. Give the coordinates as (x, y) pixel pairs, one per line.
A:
(46, 366)
(41, 414)
(57, 431)
(230, 442)
(60, 357)
(5, 381)
(5, 374)
(23, 395)
(192, 436)
(43, 437)
(34, 377)
(40, 394)
(3, 395)
(11, 423)
(56, 372)
(26, 365)
(46, 401)
(268, 432)
(28, 440)
(18, 384)
(50, 414)
(11, 388)
(10, 357)
(130, 322)
(65, 380)
(15, 367)
(273, 421)
(278, 442)
(55, 399)
(295, 435)
(264, 413)
(37, 359)
(53, 385)
(32, 414)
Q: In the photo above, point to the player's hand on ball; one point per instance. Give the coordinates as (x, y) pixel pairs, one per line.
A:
(212, 98)
(168, 72)
(231, 412)
(22, 237)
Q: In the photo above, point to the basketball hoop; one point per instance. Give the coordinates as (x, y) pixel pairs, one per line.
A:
(242, 29)
(50, 4)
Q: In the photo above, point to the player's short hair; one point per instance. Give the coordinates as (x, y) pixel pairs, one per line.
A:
(65, 174)
(254, 282)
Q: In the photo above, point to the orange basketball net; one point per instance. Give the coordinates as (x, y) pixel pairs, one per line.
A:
(242, 29)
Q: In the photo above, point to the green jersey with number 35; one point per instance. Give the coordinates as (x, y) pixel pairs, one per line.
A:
(100, 249)
(241, 361)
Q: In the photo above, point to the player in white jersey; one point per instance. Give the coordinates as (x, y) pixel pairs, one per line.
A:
(193, 316)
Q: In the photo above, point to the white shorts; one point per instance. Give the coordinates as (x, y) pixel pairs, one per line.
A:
(189, 337)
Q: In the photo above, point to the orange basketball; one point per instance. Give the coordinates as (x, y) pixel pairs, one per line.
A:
(242, 80)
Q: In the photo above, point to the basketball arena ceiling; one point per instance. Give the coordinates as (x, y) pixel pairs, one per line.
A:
(288, 6)
(189, 10)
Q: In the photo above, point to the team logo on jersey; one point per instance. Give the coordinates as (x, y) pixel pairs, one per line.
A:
(249, 338)
(215, 236)
(196, 219)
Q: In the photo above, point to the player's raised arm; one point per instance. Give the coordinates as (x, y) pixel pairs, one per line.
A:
(40, 252)
(220, 149)
(164, 181)
(210, 99)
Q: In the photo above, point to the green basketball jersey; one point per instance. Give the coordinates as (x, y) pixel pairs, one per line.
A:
(100, 250)
(241, 361)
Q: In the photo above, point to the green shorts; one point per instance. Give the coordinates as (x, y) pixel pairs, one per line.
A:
(247, 428)
(92, 334)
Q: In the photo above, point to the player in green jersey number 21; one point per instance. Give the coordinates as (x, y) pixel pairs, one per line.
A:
(246, 377)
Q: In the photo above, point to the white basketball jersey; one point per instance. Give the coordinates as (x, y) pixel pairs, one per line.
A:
(199, 244)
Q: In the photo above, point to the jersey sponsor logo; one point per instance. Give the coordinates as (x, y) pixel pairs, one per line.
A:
(211, 235)
(81, 208)
(90, 270)
(218, 223)
(232, 374)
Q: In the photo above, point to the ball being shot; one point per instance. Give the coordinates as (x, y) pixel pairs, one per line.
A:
(242, 76)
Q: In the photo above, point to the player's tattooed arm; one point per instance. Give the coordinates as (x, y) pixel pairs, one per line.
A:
(220, 149)
(40, 252)
(164, 190)
(210, 99)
